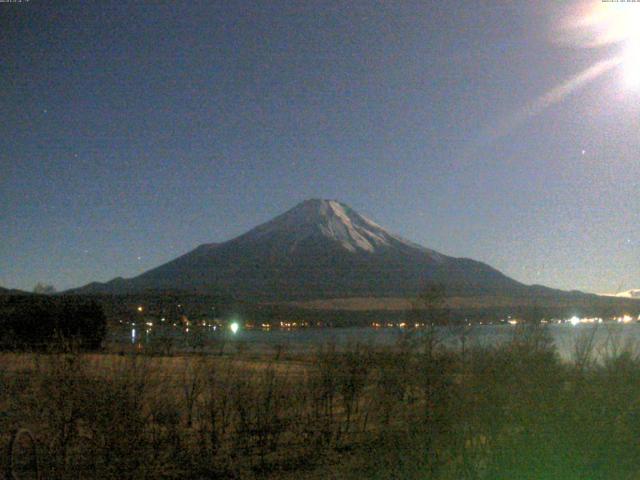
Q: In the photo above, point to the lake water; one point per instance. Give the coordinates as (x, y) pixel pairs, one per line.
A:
(606, 337)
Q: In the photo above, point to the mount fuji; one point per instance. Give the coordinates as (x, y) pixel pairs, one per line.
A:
(318, 249)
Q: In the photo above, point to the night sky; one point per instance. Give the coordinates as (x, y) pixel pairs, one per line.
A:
(132, 133)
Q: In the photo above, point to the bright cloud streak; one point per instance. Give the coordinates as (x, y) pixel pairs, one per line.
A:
(551, 97)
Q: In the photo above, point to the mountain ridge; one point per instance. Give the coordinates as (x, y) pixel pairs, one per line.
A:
(318, 249)
(13, 291)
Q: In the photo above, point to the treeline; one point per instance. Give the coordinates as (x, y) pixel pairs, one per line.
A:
(30, 322)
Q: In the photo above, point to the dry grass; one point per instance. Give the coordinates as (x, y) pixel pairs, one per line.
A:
(413, 411)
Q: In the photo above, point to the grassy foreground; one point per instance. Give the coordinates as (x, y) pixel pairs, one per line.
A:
(412, 411)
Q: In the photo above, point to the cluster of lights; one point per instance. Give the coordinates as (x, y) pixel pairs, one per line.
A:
(591, 320)
(396, 325)
(575, 320)
(626, 319)
(293, 324)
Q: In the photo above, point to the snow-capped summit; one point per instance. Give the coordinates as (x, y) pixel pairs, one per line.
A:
(334, 221)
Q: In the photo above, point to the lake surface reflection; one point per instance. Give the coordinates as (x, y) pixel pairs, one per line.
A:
(606, 337)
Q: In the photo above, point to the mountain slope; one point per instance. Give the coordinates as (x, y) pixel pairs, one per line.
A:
(318, 249)
(10, 291)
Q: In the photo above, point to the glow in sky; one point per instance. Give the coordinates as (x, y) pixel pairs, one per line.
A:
(589, 25)
(631, 64)
(600, 24)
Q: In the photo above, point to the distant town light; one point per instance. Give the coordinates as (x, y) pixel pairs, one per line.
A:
(140, 308)
(574, 321)
(234, 327)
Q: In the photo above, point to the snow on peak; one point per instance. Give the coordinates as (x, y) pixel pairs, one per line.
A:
(354, 232)
(340, 226)
(335, 221)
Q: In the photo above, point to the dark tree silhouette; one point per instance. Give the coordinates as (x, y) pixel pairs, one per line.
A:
(41, 322)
